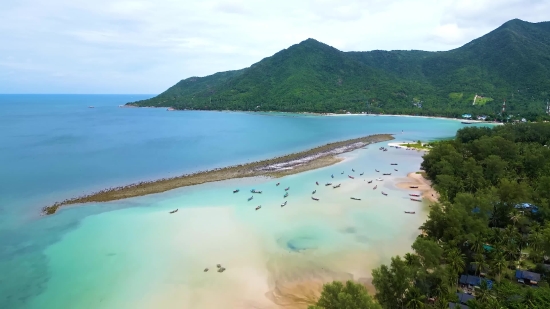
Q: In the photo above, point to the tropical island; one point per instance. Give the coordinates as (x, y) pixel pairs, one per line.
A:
(486, 244)
(277, 167)
(501, 76)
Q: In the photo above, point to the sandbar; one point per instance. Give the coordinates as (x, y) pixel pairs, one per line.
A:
(424, 185)
(277, 167)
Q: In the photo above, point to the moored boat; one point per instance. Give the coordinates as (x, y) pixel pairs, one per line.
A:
(283, 204)
(410, 212)
(317, 183)
(287, 189)
(384, 193)
(413, 187)
(351, 177)
(315, 199)
(379, 179)
(254, 191)
(328, 184)
(370, 181)
(395, 169)
(278, 184)
(414, 194)
(342, 173)
(332, 176)
(353, 170)
(361, 174)
(337, 186)
(377, 171)
(466, 122)
(174, 211)
(416, 199)
(354, 198)
(386, 174)
(206, 269)
(250, 198)
(375, 187)
(235, 191)
(393, 163)
(286, 194)
(258, 207)
(314, 191)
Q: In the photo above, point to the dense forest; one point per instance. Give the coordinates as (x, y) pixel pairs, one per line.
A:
(486, 244)
(511, 63)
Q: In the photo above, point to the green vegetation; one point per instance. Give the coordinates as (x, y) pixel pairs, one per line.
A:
(352, 295)
(511, 63)
(493, 219)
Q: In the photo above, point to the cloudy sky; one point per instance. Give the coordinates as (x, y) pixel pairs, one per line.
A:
(145, 46)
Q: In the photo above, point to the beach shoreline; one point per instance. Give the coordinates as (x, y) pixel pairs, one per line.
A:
(317, 114)
(417, 179)
(295, 163)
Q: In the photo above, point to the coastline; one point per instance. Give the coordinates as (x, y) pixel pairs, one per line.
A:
(424, 186)
(316, 114)
(277, 167)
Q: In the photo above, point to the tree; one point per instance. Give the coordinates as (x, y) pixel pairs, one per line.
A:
(499, 263)
(414, 299)
(455, 262)
(428, 251)
(392, 282)
(350, 295)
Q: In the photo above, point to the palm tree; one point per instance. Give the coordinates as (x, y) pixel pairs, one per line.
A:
(514, 216)
(415, 299)
(499, 264)
(476, 245)
(455, 260)
(483, 294)
(480, 263)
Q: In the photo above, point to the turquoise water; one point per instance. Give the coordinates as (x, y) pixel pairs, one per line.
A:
(132, 254)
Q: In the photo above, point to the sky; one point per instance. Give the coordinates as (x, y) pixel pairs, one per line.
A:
(146, 46)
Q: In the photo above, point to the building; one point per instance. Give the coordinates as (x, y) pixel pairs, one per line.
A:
(475, 281)
(467, 116)
(525, 276)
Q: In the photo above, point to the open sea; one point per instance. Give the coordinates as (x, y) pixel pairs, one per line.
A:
(133, 254)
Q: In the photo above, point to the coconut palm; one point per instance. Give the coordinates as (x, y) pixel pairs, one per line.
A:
(455, 260)
(515, 216)
(480, 263)
(415, 299)
(499, 264)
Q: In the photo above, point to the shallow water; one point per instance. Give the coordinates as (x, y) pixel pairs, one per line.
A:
(133, 254)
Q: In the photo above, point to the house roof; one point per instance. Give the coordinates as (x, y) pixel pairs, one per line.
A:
(464, 298)
(475, 280)
(524, 274)
(455, 305)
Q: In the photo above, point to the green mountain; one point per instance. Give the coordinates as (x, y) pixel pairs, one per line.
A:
(511, 63)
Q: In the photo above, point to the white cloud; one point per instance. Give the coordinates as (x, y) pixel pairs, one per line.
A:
(145, 46)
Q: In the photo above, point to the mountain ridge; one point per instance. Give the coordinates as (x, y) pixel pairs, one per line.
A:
(510, 63)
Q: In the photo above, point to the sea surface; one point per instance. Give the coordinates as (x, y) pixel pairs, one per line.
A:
(133, 254)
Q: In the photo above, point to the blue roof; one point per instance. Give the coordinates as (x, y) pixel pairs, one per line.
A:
(464, 298)
(455, 305)
(533, 208)
(475, 280)
(531, 276)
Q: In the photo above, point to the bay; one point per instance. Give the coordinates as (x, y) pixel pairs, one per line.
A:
(55, 146)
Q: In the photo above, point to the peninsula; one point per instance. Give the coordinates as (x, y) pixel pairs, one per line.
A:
(277, 167)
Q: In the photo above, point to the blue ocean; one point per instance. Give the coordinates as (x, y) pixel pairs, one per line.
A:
(133, 254)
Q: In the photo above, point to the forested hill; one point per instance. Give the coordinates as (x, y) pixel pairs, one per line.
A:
(511, 63)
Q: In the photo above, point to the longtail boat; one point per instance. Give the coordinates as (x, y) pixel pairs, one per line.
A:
(384, 193)
(353, 170)
(235, 191)
(354, 198)
(414, 194)
(361, 174)
(286, 194)
(386, 174)
(416, 199)
(287, 189)
(283, 204)
(379, 179)
(377, 171)
(342, 173)
(375, 187)
(278, 184)
(317, 183)
(328, 184)
(314, 191)
(413, 187)
(351, 177)
(315, 199)
(337, 186)
(370, 181)
(174, 211)
(258, 207)
(332, 176)
(250, 198)
(410, 212)
(393, 163)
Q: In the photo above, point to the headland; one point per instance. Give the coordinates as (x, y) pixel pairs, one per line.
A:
(277, 167)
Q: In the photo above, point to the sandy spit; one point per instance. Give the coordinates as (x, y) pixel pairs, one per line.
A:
(277, 167)
(424, 186)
